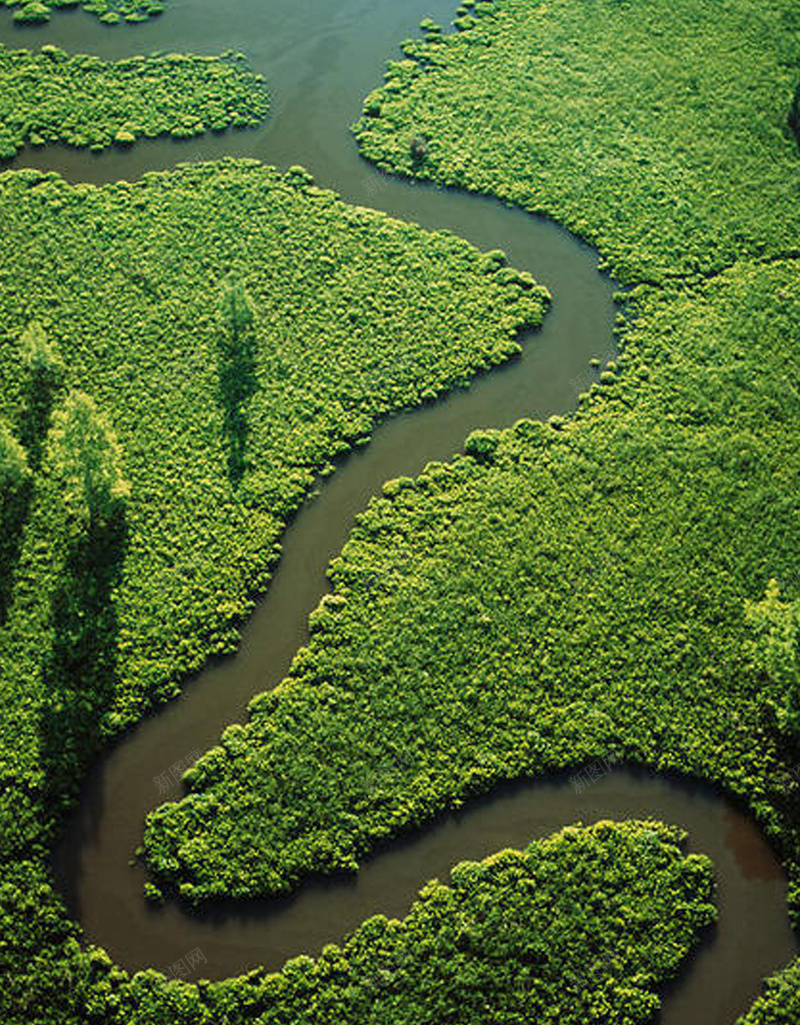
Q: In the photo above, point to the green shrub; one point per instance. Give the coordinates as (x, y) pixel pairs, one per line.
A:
(52, 96)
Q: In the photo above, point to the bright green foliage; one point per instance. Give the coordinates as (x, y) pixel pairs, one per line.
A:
(657, 130)
(779, 1004)
(561, 590)
(15, 478)
(85, 460)
(14, 472)
(53, 96)
(110, 12)
(41, 359)
(357, 315)
(775, 623)
(578, 589)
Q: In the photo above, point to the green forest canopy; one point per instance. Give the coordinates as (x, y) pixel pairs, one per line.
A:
(52, 96)
(643, 524)
(580, 585)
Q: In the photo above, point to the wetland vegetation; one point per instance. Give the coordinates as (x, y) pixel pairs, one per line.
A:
(79, 100)
(110, 12)
(181, 357)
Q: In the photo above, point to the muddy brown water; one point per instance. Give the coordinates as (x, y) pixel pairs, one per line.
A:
(320, 60)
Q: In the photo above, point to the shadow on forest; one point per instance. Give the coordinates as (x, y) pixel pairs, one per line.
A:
(14, 510)
(794, 115)
(79, 672)
(237, 384)
(236, 356)
(38, 405)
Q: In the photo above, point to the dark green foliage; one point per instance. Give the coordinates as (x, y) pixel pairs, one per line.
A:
(14, 472)
(418, 147)
(15, 477)
(53, 96)
(236, 353)
(43, 375)
(80, 666)
(85, 483)
(794, 114)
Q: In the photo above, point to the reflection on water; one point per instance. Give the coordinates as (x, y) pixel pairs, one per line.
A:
(753, 854)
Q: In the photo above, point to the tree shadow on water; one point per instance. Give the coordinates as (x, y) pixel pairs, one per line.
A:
(79, 672)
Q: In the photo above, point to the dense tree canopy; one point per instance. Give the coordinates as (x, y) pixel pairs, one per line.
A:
(561, 589)
(52, 96)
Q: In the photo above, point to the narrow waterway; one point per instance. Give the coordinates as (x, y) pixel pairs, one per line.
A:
(320, 60)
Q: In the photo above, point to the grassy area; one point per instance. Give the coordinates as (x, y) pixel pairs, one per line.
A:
(110, 12)
(236, 329)
(52, 96)
(577, 586)
(658, 131)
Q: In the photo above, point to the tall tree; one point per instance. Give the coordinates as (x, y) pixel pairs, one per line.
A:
(86, 460)
(776, 626)
(14, 471)
(794, 114)
(83, 467)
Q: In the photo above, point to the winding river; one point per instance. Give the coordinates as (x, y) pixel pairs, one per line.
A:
(320, 60)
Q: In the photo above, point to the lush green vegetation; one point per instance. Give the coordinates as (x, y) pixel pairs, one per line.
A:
(586, 584)
(658, 131)
(581, 927)
(564, 590)
(780, 1002)
(217, 310)
(52, 96)
(775, 623)
(560, 590)
(111, 12)
(354, 315)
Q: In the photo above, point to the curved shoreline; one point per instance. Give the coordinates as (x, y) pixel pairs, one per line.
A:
(91, 863)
